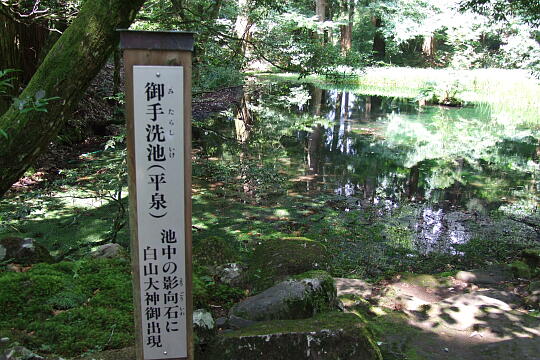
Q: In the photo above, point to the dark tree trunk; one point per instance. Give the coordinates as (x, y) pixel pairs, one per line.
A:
(379, 44)
(117, 79)
(414, 176)
(20, 47)
(66, 71)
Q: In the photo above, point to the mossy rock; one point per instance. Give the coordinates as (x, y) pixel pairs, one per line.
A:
(301, 296)
(491, 275)
(275, 259)
(532, 258)
(329, 336)
(23, 251)
(521, 269)
(213, 251)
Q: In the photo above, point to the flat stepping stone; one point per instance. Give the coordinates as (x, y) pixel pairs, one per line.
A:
(330, 336)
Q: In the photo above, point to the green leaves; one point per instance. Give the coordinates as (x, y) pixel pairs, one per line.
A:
(36, 103)
(5, 83)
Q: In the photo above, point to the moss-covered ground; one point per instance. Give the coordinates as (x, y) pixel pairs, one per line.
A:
(68, 308)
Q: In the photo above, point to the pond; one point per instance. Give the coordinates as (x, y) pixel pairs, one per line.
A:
(441, 176)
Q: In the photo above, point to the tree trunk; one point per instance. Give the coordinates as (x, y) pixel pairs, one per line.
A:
(243, 121)
(243, 27)
(346, 30)
(66, 71)
(20, 46)
(316, 100)
(320, 12)
(428, 47)
(315, 137)
(379, 44)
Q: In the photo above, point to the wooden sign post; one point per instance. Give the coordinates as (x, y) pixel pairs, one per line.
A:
(157, 66)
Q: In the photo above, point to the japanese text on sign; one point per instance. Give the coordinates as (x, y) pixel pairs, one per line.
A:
(158, 111)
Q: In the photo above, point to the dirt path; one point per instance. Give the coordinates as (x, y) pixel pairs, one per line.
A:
(477, 315)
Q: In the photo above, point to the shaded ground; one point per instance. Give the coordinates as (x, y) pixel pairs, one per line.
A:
(424, 317)
(208, 103)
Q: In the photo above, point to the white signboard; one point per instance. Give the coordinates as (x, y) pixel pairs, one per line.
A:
(159, 133)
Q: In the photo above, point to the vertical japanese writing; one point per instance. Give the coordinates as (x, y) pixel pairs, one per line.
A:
(158, 96)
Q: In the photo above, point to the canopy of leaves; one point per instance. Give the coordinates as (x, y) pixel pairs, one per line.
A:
(528, 10)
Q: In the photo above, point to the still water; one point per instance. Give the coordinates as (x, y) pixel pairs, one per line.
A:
(441, 172)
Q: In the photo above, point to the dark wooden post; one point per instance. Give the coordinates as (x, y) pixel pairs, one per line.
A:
(161, 62)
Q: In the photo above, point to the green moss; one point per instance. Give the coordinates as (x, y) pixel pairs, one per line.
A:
(121, 354)
(275, 259)
(322, 300)
(331, 320)
(521, 269)
(531, 257)
(358, 305)
(69, 307)
(214, 250)
(396, 336)
(62, 226)
(337, 335)
(314, 274)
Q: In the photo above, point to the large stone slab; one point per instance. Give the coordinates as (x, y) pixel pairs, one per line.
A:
(298, 298)
(329, 336)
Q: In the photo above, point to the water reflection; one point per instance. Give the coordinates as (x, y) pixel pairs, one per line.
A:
(387, 152)
(451, 165)
(392, 148)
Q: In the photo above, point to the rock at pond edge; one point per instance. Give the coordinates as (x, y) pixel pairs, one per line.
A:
(329, 336)
(299, 297)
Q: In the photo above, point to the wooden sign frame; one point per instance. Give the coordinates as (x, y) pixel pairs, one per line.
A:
(158, 48)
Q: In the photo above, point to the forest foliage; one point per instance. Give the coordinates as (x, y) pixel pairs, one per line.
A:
(331, 38)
